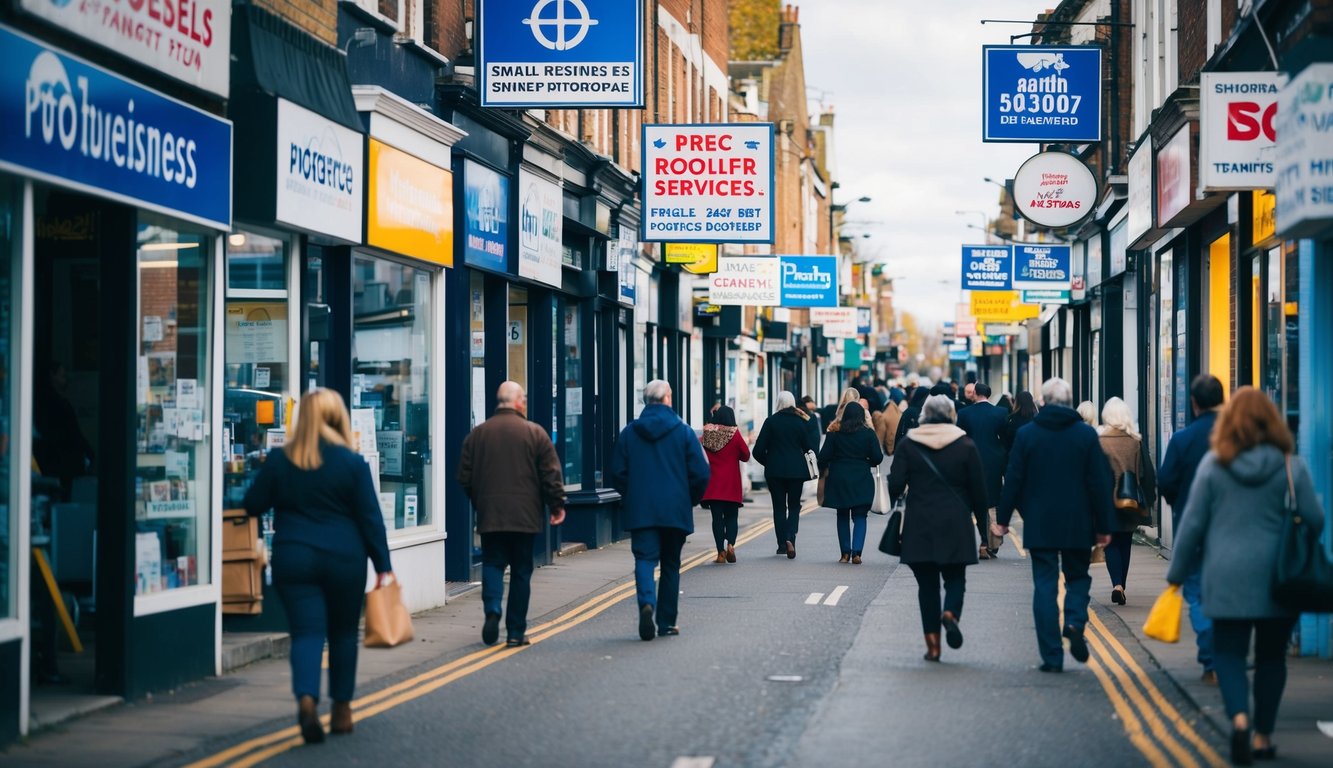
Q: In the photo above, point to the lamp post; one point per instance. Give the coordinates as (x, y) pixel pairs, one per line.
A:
(982, 214)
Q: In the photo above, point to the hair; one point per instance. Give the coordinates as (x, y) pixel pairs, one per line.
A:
(1006, 402)
(1206, 391)
(1056, 391)
(1116, 414)
(723, 416)
(321, 418)
(656, 392)
(1026, 406)
(1249, 420)
(849, 395)
(1088, 412)
(939, 409)
(806, 399)
(918, 398)
(853, 418)
(784, 401)
(982, 389)
(941, 388)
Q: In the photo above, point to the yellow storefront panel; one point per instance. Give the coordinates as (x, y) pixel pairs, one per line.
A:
(411, 206)
(1001, 307)
(1219, 310)
(691, 253)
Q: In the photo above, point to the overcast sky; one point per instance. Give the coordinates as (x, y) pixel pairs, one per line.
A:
(904, 80)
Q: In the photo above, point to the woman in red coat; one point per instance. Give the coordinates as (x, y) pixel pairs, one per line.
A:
(726, 451)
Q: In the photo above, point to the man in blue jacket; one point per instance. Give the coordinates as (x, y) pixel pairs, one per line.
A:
(984, 423)
(1060, 479)
(661, 472)
(1183, 454)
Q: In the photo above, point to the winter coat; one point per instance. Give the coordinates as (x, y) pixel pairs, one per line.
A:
(1060, 481)
(849, 458)
(1123, 453)
(911, 419)
(726, 451)
(660, 470)
(1183, 454)
(782, 443)
(886, 427)
(1015, 422)
(510, 470)
(984, 424)
(1232, 526)
(937, 524)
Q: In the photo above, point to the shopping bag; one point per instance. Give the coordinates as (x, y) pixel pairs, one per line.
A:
(1164, 619)
(881, 503)
(387, 621)
(812, 465)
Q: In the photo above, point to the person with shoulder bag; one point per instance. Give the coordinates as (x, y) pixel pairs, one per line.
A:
(1136, 489)
(727, 453)
(781, 447)
(849, 455)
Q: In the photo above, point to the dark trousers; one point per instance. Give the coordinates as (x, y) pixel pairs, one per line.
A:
(1192, 590)
(1231, 644)
(653, 548)
(928, 576)
(514, 550)
(1046, 567)
(322, 595)
(852, 529)
(786, 508)
(1117, 557)
(726, 515)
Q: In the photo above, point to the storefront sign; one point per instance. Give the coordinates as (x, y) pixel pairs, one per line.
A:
(752, 281)
(1055, 189)
(1304, 159)
(409, 206)
(540, 228)
(1038, 266)
(626, 245)
(1237, 137)
(809, 281)
(965, 327)
(320, 174)
(189, 40)
(706, 265)
(836, 322)
(987, 267)
(1264, 220)
(486, 200)
(1140, 191)
(708, 183)
(1045, 297)
(1042, 94)
(1174, 191)
(864, 319)
(689, 253)
(560, 53)
(77, 125)
(1001, 307)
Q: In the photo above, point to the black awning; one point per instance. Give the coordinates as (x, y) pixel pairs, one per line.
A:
(275, 58)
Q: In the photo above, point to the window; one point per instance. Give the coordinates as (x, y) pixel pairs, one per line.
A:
(10, 214)
(572, 435)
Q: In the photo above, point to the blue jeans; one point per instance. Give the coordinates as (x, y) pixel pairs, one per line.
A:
(653, 547)
(1192, 591)
(852, 529)
(322, 595)
(1046, 567)
(514, 550)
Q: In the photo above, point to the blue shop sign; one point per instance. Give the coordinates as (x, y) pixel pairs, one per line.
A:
(560, 53)
(77, 125)
(1038, 266)
(1041, 93)
(987, 267)
(486, 229)
(809, 281)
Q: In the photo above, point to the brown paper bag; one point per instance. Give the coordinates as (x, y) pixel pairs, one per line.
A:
(387, 621)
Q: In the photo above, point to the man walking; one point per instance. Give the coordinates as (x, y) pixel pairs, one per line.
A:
(1061, 480)
(510, 470)
(661, 473)
(1183, 454)
(984, 423)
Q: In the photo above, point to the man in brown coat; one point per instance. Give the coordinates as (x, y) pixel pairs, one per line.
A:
(510, 470)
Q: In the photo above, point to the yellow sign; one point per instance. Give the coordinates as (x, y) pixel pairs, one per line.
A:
(411, 206)
(692, 253)
(1001, 307)
(1265, 216)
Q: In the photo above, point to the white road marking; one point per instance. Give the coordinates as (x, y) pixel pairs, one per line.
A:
(785, 678)
(1326, 728)
(693, 762)
(814, 598)
(836, 594)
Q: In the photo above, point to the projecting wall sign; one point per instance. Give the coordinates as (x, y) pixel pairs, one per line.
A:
(1055, 189)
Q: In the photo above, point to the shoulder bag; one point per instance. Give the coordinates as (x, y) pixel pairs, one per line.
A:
(891, 543)
(881, 504)
(812, 465)
(1303, 582)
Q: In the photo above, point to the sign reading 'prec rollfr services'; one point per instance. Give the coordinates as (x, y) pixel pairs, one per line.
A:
(709, 183)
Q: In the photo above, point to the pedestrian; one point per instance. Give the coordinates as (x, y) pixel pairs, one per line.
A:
(781, 447)
(1060, 479)
(1124, 448)
(1025, 409)
(808, 405)
(969, 395)
(984, 424)
(1231, 531)
(1088, 412)
(661, 473)
(1005, 403)
(849, 395)
(886, 426)
(512, 474)
(327, 522)
(1183, 455)
(911, 415)
(727, 453)
(941, 466)
(849, 454)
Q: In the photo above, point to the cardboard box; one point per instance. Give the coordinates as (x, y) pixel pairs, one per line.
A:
(242, 580)
(240, 535)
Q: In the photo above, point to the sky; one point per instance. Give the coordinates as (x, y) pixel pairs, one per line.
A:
(904, 81)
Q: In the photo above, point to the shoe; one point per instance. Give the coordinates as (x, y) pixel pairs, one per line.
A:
(490, 629)
(668, 631)
(307, 716)
(983, 553)
(782, 549)
(1078, 646)
(856, 559)
(721, 557)
(994, 552)
(952, 634)
(1209, 678)
(846, 558)
(341, 719)
(1241, 752)
(932, 647)
(646, 627)
(791, 550)
(1118, 595)
(1264, 753)
(1051, 668)
(731, 553)
(515, 642)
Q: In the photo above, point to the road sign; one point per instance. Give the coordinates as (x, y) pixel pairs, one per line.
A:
(708, 183)
(1041, 94)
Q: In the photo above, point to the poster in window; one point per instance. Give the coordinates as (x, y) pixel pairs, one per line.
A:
(256, 332)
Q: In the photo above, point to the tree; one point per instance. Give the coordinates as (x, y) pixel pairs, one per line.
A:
(754, 29)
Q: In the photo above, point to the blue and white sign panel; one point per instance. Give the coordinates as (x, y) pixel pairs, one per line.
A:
(1041, 93)
(987, 267)
(560, 53)
(486, 217)
(1038, 266)
(809, 281)
(75, 124)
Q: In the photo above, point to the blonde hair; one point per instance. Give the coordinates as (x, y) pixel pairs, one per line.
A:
(851, 395)
(1115, 414)
(1088, 412)
(321, 416)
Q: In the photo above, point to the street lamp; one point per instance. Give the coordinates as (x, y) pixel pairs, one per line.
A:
(984, 218)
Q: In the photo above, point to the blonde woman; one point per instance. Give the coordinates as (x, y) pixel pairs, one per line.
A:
(1124, 448)
(849, 395)
(327, 521)
(1088, 412)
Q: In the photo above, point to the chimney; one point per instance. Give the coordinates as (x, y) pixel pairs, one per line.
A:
(787, 29)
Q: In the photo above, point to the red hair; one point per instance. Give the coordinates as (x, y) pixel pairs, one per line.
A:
(1250, 419)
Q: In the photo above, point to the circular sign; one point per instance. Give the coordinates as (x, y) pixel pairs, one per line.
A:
(1055, 189)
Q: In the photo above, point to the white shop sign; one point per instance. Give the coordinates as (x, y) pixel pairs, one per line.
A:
(1237, 137)
(1304, 186)
(540, 228)
(1055, 189)
(321, 174)
(837, 322)
(708, 183)
(751, 281)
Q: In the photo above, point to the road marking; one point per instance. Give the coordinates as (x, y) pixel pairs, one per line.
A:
(693, 762)
(836, 595)
(1127, 717)
(814, 598)
(1164, 736)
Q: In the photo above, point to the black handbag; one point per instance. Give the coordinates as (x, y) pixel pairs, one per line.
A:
(891, 543)
(1303, 582)
(1128, 495)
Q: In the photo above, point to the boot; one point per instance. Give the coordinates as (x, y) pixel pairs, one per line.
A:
(721, 556)
(341, 720)
(932, 647)
(307, 716)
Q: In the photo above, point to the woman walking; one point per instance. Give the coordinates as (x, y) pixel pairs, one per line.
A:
(848, 454)
(911, 416)
(1232, 527)
(328, 523)
(941, 466)
(781, 448)
(1123, 446)
(727, 452)
(1024, 409)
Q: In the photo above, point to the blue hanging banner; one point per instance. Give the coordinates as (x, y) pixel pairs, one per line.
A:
(486, 217)
(809, 281)
(987, 267)
(1041, 93)
(1041, 267)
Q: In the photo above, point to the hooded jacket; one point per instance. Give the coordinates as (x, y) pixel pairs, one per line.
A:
(782, 443)
(937, 524)
(660, 471)
(725, 450)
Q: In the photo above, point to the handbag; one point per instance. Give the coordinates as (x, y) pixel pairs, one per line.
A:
(812, 465)
(387, 621)
(1164, 619)
(1128, 494)
(1303, 582)
(819, 488)
(891, 543)
(880, 505)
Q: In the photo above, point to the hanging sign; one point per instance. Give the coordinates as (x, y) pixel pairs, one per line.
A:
(836, 322)
(809, 281)
(1237, 137)
(1042, 93)
(987, 267)
(708, 183)
(752, 281)
(1045, 297)
(689, 253)
(1001, 307)
(486, 218)
(540, 228)
(1038, 266)
(1304, 167)
(1055, 189)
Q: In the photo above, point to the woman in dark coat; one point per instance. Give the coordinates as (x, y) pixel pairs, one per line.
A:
(726, 451)
(912, 416)
(849, 454)
(1024, 410)
(941, 466)
(781, 447)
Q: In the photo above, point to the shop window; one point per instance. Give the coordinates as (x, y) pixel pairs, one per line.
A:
(517, 335)
(477, 353)
(10, 215)
(1272, 337)
(173, 467)
(1219, 309)
(1291, 280)
(256, 263)
(572, 434)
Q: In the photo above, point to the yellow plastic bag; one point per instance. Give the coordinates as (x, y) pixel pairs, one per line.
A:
(1164, 619)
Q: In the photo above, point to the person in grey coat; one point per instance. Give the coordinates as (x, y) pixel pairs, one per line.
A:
(1232, 528)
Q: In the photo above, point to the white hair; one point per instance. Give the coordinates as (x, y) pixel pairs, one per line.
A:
(1056, 391)
(655, 392)
(1088, 412)
(1116, 414)
(939, 409)
(784, 401)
